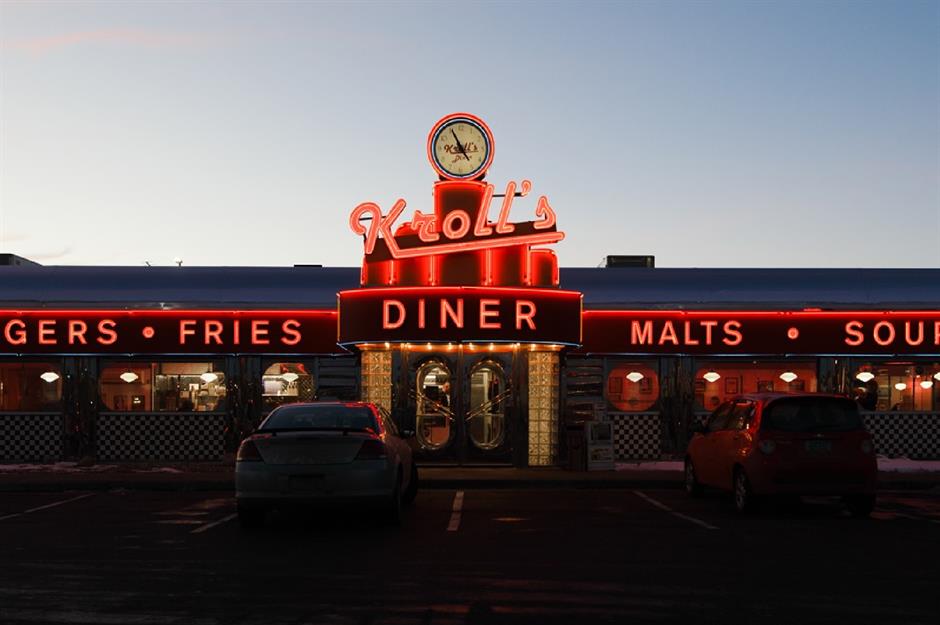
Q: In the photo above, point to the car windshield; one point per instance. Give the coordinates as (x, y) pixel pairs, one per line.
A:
(812, 414)
(325, 417)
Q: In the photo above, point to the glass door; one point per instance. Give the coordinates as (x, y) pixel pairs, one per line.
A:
(435, 423)
(486, 411)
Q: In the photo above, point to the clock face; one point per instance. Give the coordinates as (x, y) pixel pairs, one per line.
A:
(460, 147)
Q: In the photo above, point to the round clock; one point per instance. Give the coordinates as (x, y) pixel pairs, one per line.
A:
(460, 147)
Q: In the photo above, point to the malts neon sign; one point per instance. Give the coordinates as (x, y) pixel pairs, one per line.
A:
(456, 230)
(749, 332)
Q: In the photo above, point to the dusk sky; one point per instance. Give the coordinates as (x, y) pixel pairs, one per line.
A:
(785, 134)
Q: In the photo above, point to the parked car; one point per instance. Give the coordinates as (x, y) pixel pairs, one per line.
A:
(324, 453)
(787, 444)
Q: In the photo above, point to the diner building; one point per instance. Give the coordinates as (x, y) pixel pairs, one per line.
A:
(461, 325)
(658, 348)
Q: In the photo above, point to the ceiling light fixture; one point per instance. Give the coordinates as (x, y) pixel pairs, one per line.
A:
(290, 376)
(49, 376)
(865, 376)
(788, 376)
(129, 376)
(900, 386)
(712, 376)
(635, 376)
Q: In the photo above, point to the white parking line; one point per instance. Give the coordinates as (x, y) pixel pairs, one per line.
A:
(209, 526)
(48, 505)
(666, 508)
(454, 524)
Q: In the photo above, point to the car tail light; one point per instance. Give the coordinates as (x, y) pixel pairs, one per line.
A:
(372, 449)
(248, 451)
(767, 446)
(866, 446)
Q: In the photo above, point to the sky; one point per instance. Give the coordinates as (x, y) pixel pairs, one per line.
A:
(709, 134)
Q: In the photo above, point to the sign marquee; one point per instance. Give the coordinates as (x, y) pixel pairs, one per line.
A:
(460, 315)
(167, 332)
(750, 332)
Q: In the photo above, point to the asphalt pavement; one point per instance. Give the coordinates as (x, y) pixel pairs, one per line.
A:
(467, 556)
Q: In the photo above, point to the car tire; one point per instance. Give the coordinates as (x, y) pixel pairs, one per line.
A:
(860, 506)
(251, 517)
(392, 512)
(693, 487)
(745, 501)
(408, 497)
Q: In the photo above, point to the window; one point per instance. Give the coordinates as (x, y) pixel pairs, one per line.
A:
(632, 387)
(741, 415)
(897, 386)
(321, 417)
(30, 386)
(720, 380)
(285, 383)
(719, 418)
(811, 414)
(162, 386)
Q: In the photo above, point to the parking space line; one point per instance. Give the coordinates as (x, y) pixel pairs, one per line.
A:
(209, 526)
(48, 505)
(454, 524)
(674, 513)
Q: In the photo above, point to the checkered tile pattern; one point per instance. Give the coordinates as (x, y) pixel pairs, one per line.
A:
(30, 438)
(160, 437)
(905, 434)
(636, 436)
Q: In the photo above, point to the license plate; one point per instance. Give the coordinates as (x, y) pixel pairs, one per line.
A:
(819, 447)
(306, 483)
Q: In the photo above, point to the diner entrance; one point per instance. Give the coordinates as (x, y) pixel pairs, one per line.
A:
(464, 406)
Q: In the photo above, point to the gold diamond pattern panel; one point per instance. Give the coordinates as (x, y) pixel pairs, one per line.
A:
(543, 408)
(377, 378)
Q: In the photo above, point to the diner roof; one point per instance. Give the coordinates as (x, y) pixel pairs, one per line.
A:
(86, 287)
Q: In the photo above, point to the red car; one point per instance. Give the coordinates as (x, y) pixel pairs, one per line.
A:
(784, 444)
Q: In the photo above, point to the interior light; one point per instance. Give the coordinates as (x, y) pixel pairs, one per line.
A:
(208, 377)
(49, 376)
(926, 384)
(865, 376)
(900, 386)
(635, 376)
(387, 345)
(936, 376)
(129, 376)
(788, 376)
(712, 376)
(290, 376)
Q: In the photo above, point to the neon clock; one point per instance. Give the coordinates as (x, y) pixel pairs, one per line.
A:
(460, 147)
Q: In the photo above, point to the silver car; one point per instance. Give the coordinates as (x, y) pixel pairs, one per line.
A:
(324, 452)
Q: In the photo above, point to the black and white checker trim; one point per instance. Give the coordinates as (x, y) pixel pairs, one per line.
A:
(161, 437)
(905, 434)
(30, 438)
(636, 436)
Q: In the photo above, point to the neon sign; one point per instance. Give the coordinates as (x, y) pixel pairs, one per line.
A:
(456, 230)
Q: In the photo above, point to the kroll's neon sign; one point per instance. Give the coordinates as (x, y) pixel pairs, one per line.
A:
(458, 230)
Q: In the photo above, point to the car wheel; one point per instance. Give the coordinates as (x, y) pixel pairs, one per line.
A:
(411, 492)
(250, 517)
(744, 499)
(860, 506)
(393, 507)
(692, 486)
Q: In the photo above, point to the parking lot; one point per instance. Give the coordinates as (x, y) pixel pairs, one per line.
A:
(467, 556)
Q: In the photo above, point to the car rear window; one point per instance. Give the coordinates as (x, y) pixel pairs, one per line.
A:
(812, 414)
(326, 417)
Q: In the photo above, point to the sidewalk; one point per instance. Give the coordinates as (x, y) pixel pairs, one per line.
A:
(893, 474)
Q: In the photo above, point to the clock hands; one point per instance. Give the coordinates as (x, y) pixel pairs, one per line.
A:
(459, 147)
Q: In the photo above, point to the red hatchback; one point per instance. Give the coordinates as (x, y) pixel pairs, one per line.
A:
(786, 444)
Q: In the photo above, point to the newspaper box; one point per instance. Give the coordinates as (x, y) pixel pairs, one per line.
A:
(599, 444)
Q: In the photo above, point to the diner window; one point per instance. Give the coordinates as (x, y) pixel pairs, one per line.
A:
(897, 386)
(286, 383)
(632, 387)
(162, 386)
(30, 386)
(717, 381)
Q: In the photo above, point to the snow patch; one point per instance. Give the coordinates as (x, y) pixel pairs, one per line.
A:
(55, 467)
(653, 465)
(906, 465)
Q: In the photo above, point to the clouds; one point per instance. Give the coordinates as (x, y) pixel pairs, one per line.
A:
(137, 37)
